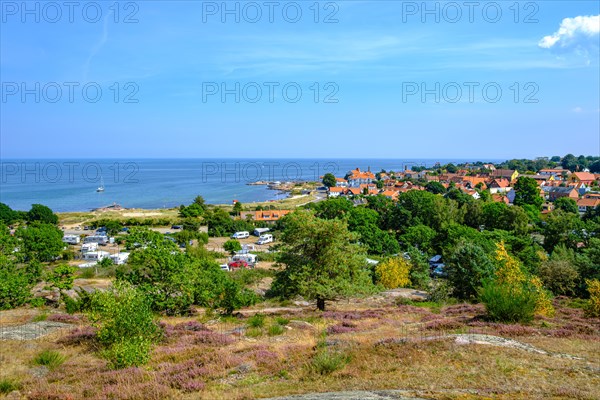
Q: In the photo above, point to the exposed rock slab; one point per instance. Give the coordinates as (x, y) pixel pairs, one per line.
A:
(31, 331)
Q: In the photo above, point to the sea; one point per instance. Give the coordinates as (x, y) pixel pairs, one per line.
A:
(71, 185)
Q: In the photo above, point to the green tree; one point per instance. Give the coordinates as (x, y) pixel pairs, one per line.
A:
(15, 287)
(144, 238)
(320, 260)
(569, 162)
(42, 214)
(232, 246)
(332, 208)
(113, 227)
(562, 228)
(527, 191)
(7, 215)
(199, 200)
(237, 208)
(421, 237)
(435, 187)
(62, 277)
(329, 180)
(467, 267)
(39, 241)
(559, 273)
(566, 204)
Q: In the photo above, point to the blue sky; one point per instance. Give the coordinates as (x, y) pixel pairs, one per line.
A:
(389, 79)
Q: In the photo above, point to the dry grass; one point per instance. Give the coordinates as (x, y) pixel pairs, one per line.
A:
(206, 358)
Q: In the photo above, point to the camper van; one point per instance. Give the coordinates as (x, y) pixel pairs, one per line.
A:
(264, 239)
(119, 258)
(96, 255)
(241, 235)
(71, 239)
(260, 231)
(87, 247)
(100, 239)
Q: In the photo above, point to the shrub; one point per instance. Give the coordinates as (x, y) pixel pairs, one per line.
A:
(8, 385)
(232, 246)
(14, 286)
(128, 352)
(256, 321)
(275, 329)
(508, 303)
(394, 273)
(325, 362)
(62, 277)
(49, 358)
(126, 325)
(593, 307)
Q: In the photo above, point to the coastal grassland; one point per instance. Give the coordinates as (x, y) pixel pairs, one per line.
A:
(362, 344)
(72, 219)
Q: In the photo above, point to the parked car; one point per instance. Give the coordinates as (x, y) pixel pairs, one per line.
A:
(176, 227)
(237, 264)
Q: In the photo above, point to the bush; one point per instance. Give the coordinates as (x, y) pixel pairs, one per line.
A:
(256, 321)
(508, 303)
(593, 306)
(394, 273)
(128, 353)
(8, 385)
(275, 330)
(15, 289)
(49, 358)
(126, 325)
(232, 246)
(325, 362)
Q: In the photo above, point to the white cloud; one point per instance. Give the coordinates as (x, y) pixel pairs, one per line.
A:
(577, 33)
(577, 110)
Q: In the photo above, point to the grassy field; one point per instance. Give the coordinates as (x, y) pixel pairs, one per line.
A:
(361, 344)
(72, 219)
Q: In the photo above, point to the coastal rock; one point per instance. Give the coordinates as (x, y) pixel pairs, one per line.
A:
(31, 331)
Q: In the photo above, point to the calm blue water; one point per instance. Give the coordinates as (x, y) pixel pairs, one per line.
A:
(70, 185)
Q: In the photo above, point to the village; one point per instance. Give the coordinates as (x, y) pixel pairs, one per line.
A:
(553, 183)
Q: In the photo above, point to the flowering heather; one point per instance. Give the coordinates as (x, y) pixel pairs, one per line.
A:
(344, 327)
(515, 330)
(443, 324)
(464, 309)
(212, 338)
(432, 317)
(66, 318)
(193, 326)
(404, 308)
(355, 315)
(79, 335)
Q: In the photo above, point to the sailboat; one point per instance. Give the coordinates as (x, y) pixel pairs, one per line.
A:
(101, 187)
